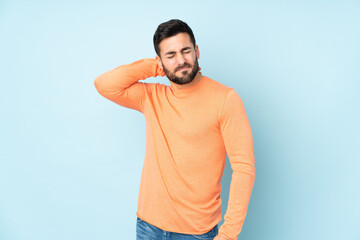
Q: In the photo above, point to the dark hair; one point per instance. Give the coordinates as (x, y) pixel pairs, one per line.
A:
(169, 29)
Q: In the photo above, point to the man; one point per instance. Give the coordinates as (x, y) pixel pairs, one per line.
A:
(190, 126)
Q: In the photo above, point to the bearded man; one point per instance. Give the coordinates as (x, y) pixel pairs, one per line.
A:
(190, 127)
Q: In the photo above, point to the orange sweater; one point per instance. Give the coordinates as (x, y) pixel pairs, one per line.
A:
(188, 133)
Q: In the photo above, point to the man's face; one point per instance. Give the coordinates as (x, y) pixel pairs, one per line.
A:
(179, 58)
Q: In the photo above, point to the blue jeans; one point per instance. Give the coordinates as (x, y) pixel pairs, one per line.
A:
(147, 231)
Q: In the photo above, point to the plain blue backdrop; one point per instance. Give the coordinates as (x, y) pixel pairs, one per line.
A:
(71, 160)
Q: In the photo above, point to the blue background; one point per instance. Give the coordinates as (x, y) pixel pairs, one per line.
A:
(71, 160)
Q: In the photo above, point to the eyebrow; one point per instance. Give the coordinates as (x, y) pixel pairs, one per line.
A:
(172, 52)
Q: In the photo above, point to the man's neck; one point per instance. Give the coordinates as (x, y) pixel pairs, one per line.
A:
(196, 79)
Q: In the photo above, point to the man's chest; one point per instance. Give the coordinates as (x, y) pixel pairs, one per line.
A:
(187, 119)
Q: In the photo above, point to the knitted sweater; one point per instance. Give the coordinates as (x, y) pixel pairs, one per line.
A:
(189, 131)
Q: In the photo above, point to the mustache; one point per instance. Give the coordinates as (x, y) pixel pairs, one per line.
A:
(180, 67)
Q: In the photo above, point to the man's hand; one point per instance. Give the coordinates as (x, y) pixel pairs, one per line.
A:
(219, 237)
(159, 71)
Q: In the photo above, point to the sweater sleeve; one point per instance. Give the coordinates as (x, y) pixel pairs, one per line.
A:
(236, 132)
(121, 85)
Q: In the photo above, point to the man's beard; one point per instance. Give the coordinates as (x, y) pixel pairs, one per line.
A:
(187, 77)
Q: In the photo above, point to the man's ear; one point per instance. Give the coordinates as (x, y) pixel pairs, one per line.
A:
(157, 58)
(197, 51)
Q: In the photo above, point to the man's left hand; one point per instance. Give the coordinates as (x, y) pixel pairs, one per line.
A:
(219, 237)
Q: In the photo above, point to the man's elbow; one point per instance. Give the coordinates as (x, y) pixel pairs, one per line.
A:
(97, 82)
(100, 85)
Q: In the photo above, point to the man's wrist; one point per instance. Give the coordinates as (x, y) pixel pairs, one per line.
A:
(221, 237)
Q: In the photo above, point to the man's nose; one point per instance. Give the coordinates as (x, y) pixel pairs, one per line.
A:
(180, 59)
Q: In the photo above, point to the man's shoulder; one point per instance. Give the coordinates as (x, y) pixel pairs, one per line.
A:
(217, 86)
(150, 87)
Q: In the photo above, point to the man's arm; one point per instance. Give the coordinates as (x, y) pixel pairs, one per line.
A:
(236, 132)
(121, 85)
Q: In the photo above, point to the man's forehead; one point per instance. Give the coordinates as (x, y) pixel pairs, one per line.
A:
(176, 42)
